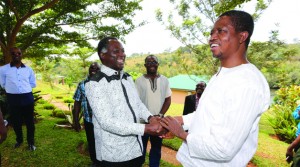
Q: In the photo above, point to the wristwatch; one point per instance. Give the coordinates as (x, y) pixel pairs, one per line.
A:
(161, 115)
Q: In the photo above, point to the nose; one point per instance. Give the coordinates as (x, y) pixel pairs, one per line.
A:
(213, 36)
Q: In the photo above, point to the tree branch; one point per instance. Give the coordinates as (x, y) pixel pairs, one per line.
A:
(13, 9)
(28, 15)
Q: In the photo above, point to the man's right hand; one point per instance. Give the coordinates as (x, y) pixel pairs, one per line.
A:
(154, 128)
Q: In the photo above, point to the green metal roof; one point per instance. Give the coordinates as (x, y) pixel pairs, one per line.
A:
(186, 82)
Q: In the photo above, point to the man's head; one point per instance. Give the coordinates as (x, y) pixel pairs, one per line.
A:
(151, 64)
(200, 88)
(16, 54)
(111, 53)
(231, 33)
(94, 68)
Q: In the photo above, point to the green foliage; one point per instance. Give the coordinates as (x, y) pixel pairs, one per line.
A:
(48, 106)
(35, 25)
(68, 101)
(59, 97)
(42, 101)
(135, 75)
(280, 113)
(55, 146)
(276, 60)
(58, 113)
(193, 31)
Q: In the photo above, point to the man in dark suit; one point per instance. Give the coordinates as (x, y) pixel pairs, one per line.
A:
(191, 101)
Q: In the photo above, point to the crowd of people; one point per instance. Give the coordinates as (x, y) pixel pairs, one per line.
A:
(219, 124)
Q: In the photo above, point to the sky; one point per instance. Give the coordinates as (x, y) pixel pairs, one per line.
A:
(154, 38)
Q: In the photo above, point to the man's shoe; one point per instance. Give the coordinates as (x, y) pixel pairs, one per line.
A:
(31, 147)
(17, 145)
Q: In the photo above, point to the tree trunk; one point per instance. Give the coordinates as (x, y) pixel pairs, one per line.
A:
(6, 56)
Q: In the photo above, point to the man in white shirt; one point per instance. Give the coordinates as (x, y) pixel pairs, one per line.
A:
(117, 110)
(155, 93)
(224, 129)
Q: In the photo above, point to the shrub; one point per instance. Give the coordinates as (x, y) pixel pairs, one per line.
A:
(60, 113)
(68, 101)
(48, 106)
(280, 113)
(42, 101)
(58, 97)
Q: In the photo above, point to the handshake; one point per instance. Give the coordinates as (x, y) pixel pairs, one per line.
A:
(166, 127)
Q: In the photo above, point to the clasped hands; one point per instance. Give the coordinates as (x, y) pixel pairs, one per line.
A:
(154, 127)
(166, 127)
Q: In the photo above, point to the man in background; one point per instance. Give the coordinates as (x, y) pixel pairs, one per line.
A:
(82, 103)
(155, 93)
(18, 80)
(191, 101)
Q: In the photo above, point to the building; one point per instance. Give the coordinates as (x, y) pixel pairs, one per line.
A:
(183, 85)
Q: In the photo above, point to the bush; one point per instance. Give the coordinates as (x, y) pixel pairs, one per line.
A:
(48, 106)
(58, 97)
(68, 101)
(280, 116)
(42, 101)
(60, 113)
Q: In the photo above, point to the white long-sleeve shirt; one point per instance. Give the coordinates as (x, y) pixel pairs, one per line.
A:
(117, 110)
(223, 131)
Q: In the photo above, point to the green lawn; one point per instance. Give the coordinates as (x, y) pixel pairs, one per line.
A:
(67, 148)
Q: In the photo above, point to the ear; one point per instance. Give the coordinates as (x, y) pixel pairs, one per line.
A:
(243, 36)
(101, 55)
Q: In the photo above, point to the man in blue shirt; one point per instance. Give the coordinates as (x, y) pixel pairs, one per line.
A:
(81, 102)
(18, 81)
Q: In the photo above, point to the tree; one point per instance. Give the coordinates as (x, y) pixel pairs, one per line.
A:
(38, 27)
(83, 54)
(197, 18)
(275, 59)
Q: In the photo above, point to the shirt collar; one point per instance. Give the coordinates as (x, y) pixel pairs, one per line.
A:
(13, 65)
(109, 71)
(109, 74)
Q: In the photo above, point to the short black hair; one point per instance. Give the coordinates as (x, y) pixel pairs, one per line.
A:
(201, 82)
(153, 56)
(103, 43)
(242, 21)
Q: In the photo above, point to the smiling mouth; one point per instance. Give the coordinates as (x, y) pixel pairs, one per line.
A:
(214, 45)
(121, 61)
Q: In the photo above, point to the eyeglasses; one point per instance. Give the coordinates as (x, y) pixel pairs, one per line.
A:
(151, 63)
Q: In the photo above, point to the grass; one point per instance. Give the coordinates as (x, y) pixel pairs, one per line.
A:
(67, 148)
(55, 146)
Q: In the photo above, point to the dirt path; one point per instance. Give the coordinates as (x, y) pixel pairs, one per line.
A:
(167, 154)
(57, 104)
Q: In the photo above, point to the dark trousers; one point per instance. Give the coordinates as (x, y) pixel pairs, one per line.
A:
(19, 114)
(89, 131)
(137, 162)
(155, 150)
